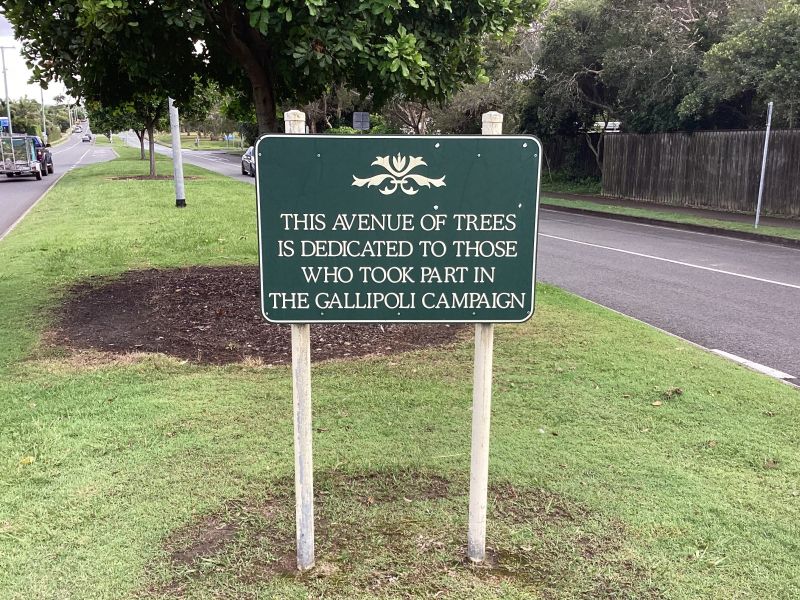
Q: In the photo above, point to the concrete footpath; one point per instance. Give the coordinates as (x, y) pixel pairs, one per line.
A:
(606, 204)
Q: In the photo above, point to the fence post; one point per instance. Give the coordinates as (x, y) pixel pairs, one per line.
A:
(295, 122)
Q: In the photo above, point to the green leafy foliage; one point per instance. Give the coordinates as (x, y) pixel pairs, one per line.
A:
(758, 64)
(276, 50)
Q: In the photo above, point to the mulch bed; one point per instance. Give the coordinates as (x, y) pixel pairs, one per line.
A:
(212, 315)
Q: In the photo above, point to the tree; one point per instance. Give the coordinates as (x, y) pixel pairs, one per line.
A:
(26, 115)
(631, 61)
(758, 64)
(510, 68)
(118, 118)
(286, 50)
(137, 62)
(144, 115)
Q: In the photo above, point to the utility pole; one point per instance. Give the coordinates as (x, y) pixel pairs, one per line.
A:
(44, 119)
(8, 103)
(177, 159)
(5, 83)
(763, 166)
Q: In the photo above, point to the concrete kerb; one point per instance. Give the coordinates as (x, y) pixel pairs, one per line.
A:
(732, 233)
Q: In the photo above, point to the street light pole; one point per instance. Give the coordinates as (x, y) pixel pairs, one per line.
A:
(8, 104)
(5, 83)
(763, 166)
(44, 120)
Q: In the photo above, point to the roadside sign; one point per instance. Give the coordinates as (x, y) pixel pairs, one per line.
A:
(361, 121)
(397, 228)
(4, 122)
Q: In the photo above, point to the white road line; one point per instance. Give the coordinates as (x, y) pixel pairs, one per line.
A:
(764, 369)
(675, 262)
(678, 228)
(61, 149)
(754, 365)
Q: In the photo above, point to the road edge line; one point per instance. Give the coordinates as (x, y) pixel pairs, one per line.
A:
(772, 372)
(683, 339)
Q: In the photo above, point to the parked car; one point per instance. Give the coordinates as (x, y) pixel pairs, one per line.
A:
(43, 154)
(249, 162)
(87, 137)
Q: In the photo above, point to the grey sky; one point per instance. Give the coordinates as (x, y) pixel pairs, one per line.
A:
(18, 73)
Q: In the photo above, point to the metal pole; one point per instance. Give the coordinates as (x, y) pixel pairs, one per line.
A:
(481, 411)
(763, 166)
(8, 103)
(177, 159)
(295, 122)
(44, 119)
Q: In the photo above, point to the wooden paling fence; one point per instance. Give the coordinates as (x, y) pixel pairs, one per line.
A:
(710, 169)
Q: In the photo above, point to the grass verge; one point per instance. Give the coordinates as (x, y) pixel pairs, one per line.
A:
(624, 463)
(188, 143)
(674, 217)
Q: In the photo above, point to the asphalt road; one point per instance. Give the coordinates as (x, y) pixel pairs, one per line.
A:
(734, 296)
(19, 194)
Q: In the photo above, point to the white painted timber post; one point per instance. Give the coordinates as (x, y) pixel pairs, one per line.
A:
(177, 158)
(295, 122)
(481, 411)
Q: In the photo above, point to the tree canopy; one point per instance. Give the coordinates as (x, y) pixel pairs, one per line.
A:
(274, 50)
(758, 64)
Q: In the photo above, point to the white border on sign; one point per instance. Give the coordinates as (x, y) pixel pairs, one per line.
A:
(416, 137)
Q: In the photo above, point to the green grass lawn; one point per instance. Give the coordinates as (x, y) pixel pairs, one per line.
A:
(188, 143)
(674, 217)
(624, 462)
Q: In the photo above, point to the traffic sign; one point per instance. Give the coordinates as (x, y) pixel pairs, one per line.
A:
(361, 121)
(397, 228)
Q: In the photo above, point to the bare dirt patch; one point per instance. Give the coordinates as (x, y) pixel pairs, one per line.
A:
(212, 315)
(400, 534)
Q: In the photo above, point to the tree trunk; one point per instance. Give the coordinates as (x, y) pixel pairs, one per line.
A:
(140, 135)
(252, 51)
(152, 145)
(264, 99)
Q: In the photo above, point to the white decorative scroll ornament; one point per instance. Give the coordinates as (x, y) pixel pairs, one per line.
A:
(399, 175)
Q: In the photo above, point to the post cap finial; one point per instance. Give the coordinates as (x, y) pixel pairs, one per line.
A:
(294, 115)
(492, 117)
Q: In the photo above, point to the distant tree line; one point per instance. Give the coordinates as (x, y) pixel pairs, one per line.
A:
(651, 66)
(564, 69)
(26, 117)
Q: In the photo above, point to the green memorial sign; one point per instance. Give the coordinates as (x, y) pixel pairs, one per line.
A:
(397, 228)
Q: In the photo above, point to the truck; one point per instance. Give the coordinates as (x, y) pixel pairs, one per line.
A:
(18, 157)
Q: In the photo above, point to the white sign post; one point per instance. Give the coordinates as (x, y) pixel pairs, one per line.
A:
(291, 220)
(295, 122)
(481, 410)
